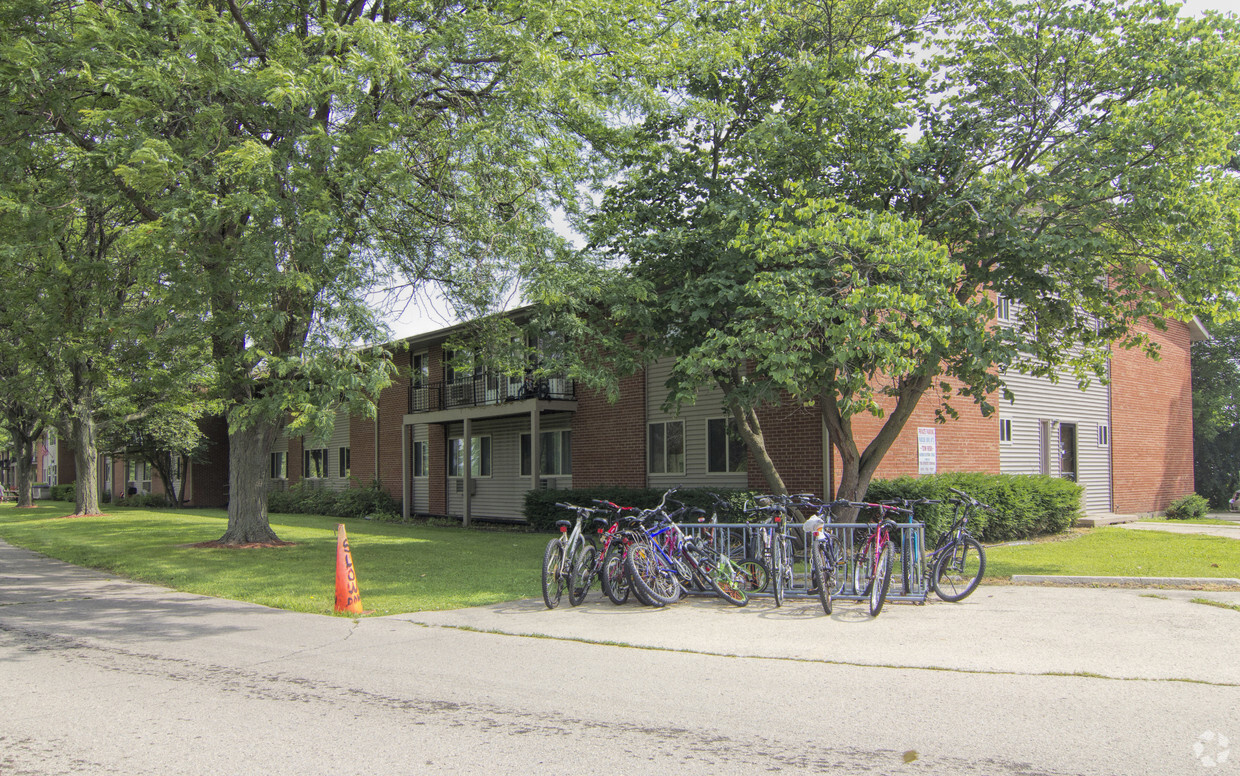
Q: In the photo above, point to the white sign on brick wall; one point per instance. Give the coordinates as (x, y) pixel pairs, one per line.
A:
(927, 451)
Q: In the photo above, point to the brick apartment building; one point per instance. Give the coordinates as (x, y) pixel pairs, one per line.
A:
(1128, 443)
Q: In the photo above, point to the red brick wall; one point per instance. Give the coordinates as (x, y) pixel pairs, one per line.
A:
(609, 440)
(437, 468)
(969, 443)
(296, 462)
(393, 405)
(1152, 423)
(793, 437)
(208, 486)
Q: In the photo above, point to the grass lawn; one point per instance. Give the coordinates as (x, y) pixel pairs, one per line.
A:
(407, 568)
(1119, 552)
(400, 568)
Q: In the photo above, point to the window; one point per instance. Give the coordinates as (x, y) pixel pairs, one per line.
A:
(1004, 308)
(725, 450)
(555, 453)
(421, 370)
(1005, 429)
(421, 451)
(666, 447)
(315, 464)
(1104, 435)
(480, 457)
(344, 462)
(279, 466)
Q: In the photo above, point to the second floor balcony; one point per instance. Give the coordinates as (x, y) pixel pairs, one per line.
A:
(484, 390)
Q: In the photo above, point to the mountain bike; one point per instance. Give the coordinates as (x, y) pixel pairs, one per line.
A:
(954, 568)
(958, 560)
(562, 554)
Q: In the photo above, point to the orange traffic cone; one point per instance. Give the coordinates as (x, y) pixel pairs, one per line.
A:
(348, 599)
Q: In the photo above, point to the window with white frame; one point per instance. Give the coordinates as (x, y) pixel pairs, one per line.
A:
(725, 450)
(480, 457)
(665, 447)
(1104, 435)
(555, 453)
(1005, 429)
(421, 453)
(314, 464)
(1004, 306)
(344, 464)
(279, 466)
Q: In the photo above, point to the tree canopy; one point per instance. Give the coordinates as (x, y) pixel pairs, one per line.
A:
(288, 155)
(840, 196)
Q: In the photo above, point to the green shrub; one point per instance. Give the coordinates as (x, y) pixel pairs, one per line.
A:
(143, 500)
(1025, 504)
(64, 492)
(1188, 507)
(372, 502)
(541, 510)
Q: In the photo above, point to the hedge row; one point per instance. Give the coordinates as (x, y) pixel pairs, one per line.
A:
(1026, 505)
(541, 510)
(372, 502)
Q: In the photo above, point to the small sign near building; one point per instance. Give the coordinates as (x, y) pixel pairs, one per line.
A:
(927, 451)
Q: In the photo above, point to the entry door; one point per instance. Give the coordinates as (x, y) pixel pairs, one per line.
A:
(1067, 451)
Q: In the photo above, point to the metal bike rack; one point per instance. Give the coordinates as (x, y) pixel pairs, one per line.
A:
(745, 540)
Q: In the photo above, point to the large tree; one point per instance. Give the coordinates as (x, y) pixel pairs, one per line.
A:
(844, 191)
(287, 151)
(1216, 412)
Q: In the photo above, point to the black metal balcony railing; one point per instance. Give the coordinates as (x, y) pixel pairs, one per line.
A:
(484, 390)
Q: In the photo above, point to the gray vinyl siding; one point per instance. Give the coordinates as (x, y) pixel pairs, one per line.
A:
(339, 438)
(1044, 405)
(421, 485)
(709, 405)
(503, 493)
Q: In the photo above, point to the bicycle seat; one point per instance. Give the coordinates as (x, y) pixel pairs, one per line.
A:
(563, 525)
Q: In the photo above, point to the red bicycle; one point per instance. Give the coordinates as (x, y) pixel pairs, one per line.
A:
(873, 559)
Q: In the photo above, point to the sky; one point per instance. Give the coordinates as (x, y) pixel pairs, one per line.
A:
(427, 312)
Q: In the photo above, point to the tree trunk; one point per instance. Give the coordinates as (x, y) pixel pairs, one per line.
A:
(86, 458)
(751, 431)
(857, 468)
(25, 472)
(249, 452)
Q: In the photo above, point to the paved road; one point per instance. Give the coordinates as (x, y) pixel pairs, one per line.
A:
(99, 675)
(1229, 531)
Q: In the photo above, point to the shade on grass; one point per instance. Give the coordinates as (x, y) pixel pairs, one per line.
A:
(1120, 552)
(400, 568)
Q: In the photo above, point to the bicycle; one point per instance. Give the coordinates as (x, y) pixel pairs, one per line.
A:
(778, 552)
(827, 559)
(954, 568)
(561, 556)
(958, 560)
(873, 559)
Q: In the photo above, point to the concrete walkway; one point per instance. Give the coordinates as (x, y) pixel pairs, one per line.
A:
(1228, 531)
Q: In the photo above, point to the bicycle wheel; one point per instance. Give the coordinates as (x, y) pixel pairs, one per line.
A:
(583, 575)
(723, 577)
(553, 573)
(959, 569)
(882, 579)
(863, 561)
(649, 577)
(824, 573)
(753, 575)
(614, 577)
(777, 570)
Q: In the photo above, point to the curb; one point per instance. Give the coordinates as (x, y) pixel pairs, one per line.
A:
(1041, 579)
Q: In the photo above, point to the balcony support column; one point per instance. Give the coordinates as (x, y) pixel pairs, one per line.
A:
(534, 451)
